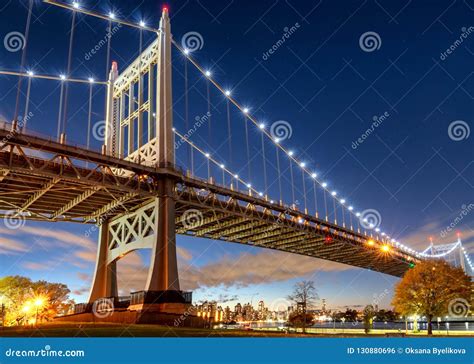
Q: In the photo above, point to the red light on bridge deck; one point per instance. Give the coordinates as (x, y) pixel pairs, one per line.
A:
(327, 239)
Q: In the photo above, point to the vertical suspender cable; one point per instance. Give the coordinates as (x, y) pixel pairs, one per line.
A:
(27, 104)
(335, 211)
(265, 182)
(248, 148)
(109, 39)
(315, 199)
(209, 109)
(192, 158)
(343, 216)
(68, 72)
(23, 60)
(325, 204)
(89, 117)
(304, 189)
(279, 174)
(229, 133)
(292, 182)
(107, 61)
(60, 110)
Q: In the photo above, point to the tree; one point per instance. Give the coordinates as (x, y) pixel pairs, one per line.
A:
(304, 295)
(369, 314)
(300, 319)
(433, 288)
(25, 299)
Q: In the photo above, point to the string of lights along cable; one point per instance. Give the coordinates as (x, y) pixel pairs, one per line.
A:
(351, 217)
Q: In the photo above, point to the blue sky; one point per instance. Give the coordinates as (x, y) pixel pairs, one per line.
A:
(320, 81)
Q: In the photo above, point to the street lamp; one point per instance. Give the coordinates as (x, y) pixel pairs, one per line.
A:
(39, 302)
(26, 309)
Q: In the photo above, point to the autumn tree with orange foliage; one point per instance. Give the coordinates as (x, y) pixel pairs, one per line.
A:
(433, 288)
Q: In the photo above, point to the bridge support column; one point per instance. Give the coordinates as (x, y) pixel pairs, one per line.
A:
(104, 283)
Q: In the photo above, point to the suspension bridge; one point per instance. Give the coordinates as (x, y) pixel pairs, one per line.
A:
(150, 180)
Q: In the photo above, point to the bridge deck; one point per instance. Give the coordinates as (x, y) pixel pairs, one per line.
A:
(66, 183)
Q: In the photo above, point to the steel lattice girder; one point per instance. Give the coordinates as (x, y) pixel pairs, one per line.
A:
(84, 194)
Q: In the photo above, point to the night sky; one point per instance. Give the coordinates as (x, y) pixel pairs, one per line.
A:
(415, 168)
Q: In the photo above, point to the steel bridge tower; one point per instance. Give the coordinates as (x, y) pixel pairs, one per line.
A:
(142, 96)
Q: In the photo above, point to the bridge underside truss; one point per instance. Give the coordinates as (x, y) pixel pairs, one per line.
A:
(226, 218)
(65, 183)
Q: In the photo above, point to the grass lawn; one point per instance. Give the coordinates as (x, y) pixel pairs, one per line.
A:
(119, 330)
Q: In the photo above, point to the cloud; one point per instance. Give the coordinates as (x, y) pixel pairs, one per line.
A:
(36, 266)
(10, 246)
(88, 256)
(264, 267)
(183, 253)
(419, 239)
(243, 270)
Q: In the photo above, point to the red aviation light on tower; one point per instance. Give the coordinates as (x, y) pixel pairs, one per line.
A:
(165, 8)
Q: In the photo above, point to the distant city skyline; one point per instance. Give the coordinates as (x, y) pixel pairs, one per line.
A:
(321, 81)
